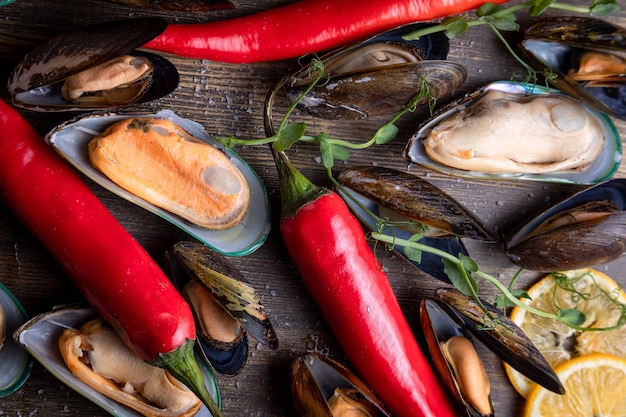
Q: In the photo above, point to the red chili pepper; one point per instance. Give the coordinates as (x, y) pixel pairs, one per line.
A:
(300, 28)
(110, 268)
(329, 248)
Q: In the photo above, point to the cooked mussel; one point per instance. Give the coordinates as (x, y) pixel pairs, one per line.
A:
(456, 360)
(510, 130)
(587, 55)
(407, 201)
(94, 67)
(583, 230)
(158, 161)
(72, 138)
(378, 76)
(500, 335)
(96, 355)
(15, 363)
(226, 307)
(41, 335)
(322, 387)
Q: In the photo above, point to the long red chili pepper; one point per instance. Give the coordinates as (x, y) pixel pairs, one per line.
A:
(329, 248)
(299, 28)
(110, 268)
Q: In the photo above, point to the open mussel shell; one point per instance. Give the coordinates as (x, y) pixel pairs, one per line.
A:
(501, 336)
(15, 363)
(228, 288)
(586, 229)
(40, 335)
(601, 168)
(38, 80)
(317, 382)
(378, 76)
(456, 362)
(71, 141)
(401, 196)
(588, 56)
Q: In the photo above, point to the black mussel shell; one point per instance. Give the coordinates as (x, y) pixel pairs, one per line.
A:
(559, 43)
(229, 287)
(225, 358)
(35, 82)
(502, 336)
(314, 379)
(378, 76)
(413, 197)
(383, 191)
(586, 229)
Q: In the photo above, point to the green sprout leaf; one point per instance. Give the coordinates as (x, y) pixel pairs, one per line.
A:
(571, 316)
(604, 7)
(468, 263)
(331, 151)
(288, 135)
(462, 281)
(454, 26)
(488, 9)
(540, 6)
(386, 134)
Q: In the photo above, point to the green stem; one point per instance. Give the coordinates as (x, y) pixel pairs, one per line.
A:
(570, 8)
(457, 262)
(531, 72)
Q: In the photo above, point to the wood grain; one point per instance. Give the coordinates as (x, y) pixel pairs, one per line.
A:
(228, 100)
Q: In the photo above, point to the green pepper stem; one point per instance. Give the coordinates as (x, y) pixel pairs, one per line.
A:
(295, 189)
(181, 363)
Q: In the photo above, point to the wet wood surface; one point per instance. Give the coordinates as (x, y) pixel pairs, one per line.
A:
(228, 100)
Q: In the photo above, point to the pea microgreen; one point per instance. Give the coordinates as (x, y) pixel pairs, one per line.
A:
(462, 270)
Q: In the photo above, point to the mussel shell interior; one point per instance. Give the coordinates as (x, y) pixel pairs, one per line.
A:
(71, 139)
(314, 379)
(15, 363)
(440, 323)
(603, 168)
(434, 46)
(39, 337)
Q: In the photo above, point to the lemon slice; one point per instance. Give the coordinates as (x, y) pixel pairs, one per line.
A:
(595, 385)
(593, 293)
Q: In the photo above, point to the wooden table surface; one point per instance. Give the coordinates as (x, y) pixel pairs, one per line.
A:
(228, 100)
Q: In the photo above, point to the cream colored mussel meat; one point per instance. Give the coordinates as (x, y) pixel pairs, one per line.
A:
(118, 81)
(97, 356)
(159, 162)
(514, 133)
